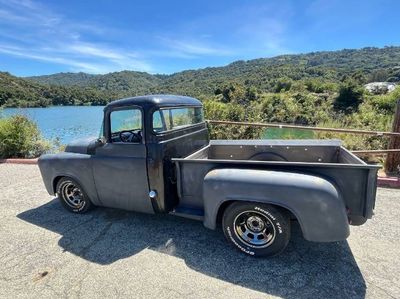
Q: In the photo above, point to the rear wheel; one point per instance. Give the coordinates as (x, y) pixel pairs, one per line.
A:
(256, 229)
(72, 196)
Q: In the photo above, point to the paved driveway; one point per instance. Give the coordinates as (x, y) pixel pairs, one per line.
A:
(48, 252)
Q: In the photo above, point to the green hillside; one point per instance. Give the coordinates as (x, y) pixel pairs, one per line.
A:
(365, 65)
(18, 92)
(322, 88)
(65, 79)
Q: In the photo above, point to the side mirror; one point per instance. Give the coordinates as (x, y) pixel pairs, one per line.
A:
(101, 140)
(94, 145)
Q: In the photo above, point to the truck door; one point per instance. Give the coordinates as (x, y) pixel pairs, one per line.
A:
(119, 166)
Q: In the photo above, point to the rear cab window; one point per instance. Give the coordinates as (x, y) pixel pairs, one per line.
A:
(168, 119)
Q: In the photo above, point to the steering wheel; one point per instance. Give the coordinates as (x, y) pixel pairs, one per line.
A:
(130, 136)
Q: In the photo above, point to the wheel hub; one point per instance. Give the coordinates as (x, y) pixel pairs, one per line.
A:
(255, 224)
(254, 229)
(72, 195)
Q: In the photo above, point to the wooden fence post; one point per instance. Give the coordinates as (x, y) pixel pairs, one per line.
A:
(393, 159)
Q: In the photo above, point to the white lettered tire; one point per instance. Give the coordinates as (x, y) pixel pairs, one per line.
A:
(256, 229)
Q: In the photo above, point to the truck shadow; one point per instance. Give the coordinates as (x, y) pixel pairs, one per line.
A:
(304, 270)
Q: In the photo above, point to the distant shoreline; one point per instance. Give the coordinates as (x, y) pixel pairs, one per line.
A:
(51, 106)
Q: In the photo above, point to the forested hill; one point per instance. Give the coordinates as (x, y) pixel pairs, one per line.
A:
(316, 72)
(67, 79)
(320, 89)
(118, 81)
(18, 92)
(365, 65)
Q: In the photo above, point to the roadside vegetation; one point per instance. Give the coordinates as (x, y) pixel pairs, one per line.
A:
(21, 138)
(295, 105)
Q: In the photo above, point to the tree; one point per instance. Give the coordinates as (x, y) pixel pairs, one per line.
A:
(379, 76)
(233, 93)
(349, 98)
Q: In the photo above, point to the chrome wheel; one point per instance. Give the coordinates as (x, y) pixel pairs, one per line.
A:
(72, 195)
(254, 229)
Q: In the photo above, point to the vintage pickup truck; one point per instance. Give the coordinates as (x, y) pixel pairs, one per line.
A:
(154, 156)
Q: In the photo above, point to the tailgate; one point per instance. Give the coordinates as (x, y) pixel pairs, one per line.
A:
(370, 192)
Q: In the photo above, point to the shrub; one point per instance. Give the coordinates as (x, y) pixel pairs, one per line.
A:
(386, 103)
(215, 110)
(283, 85)
(232, 93)
(357, 121)
(294, 107)
(349, 98)
(20, 138)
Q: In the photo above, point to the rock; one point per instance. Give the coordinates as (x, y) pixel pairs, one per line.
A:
(380, 87)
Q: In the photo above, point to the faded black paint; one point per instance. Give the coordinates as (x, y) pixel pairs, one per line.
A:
(318, 181)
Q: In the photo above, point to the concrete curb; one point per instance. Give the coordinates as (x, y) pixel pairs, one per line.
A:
(19, 161)
(391, 182)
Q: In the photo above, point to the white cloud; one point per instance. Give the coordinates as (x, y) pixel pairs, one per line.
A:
(92, 50)
(47, 36)
(188, 48)
(32, 31)
(196, 48)
(250, 29)
(6, 15)
(264, 28)
(29, 12)
(77, 65)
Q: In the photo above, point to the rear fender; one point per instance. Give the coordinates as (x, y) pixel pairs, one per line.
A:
(314, 201)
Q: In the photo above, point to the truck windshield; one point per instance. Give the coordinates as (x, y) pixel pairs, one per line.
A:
(175, 118)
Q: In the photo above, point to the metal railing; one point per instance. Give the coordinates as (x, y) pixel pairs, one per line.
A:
(336, 130)
(269, 125)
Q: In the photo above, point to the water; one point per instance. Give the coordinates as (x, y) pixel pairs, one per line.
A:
(63, 122)
(70, 122)
(287, 133)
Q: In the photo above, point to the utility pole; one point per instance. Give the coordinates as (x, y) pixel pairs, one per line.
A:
(392, 163)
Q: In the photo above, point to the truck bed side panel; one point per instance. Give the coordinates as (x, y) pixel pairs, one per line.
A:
(357, 184)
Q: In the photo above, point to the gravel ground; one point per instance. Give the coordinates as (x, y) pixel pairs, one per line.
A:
(48, 252)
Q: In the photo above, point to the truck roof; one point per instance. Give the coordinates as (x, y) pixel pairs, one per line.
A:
(155, 100)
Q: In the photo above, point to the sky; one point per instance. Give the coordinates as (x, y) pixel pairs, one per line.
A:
(155, 36)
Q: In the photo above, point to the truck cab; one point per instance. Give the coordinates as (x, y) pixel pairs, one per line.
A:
(154, 156)
(141, 136)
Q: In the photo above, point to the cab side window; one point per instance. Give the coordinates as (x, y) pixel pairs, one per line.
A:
(126, 126)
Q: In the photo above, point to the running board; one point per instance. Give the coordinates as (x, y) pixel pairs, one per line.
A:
(195, 214)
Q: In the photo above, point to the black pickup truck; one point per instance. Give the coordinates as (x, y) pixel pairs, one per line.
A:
(154, 156)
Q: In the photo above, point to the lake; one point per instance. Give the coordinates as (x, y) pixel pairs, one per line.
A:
(63, 122)
(70, 122)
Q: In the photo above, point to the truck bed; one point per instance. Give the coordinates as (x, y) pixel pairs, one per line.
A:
(355, 180)
(310, 151)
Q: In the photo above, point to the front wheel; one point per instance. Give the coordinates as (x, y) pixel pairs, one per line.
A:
(256, 229)
(72, 196)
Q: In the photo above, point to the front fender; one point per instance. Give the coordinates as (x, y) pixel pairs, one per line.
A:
(73, 165)
(314, 201)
